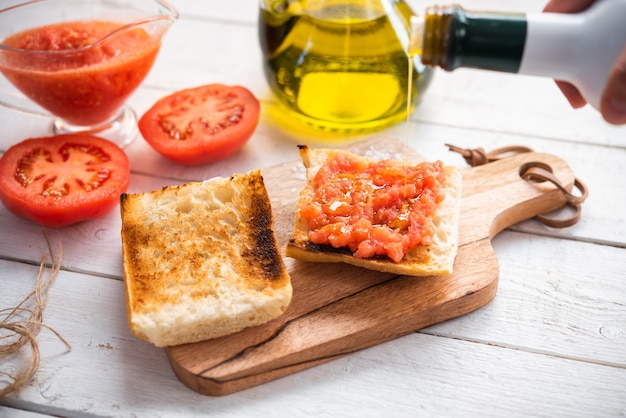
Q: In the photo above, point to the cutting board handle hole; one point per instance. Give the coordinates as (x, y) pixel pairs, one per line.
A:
(537, 172)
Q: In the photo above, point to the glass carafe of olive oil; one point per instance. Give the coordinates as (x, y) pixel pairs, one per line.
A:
(341, 65)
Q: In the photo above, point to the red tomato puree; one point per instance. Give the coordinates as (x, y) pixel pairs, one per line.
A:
(382, 208)
(88, 84)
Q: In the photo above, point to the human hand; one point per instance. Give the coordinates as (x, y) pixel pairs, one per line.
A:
(613, 101)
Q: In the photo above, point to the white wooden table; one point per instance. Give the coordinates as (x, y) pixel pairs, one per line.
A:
(551, 343)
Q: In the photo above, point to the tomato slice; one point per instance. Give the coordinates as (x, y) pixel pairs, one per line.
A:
(60, 180)
(202, 124)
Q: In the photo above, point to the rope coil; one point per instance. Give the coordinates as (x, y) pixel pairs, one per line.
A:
(21, 325)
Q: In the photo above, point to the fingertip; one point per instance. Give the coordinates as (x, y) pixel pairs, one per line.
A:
(572, 94)
(613, 110)
(567, 6)
(613, 103)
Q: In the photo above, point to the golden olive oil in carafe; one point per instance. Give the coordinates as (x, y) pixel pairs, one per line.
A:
(341, 65)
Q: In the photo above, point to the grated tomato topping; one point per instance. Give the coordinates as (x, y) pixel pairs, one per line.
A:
(374, 208)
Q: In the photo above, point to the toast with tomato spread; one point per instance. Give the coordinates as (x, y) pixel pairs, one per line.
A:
(392, 216)
(201, 260)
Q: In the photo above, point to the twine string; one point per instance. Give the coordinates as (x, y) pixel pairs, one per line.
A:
(21, 324)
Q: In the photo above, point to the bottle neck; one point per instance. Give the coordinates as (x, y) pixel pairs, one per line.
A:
(454, 37)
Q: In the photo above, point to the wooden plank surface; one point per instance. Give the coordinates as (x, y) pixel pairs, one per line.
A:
(525, 342)
(551, 343)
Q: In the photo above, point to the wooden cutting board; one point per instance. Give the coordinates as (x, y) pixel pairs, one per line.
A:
(337, 309)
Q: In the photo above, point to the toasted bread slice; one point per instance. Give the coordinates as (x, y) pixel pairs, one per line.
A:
(437, 258)
(201, 260)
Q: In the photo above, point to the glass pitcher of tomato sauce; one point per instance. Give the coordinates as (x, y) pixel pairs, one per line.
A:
(79, 60)
(341, 65)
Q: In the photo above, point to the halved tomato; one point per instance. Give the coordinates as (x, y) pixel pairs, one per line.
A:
(202, 124)
(59, 180)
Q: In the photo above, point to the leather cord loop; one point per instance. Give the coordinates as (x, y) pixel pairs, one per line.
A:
(540, 174)
(478, 156)
(562, 223)
(532, 172)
